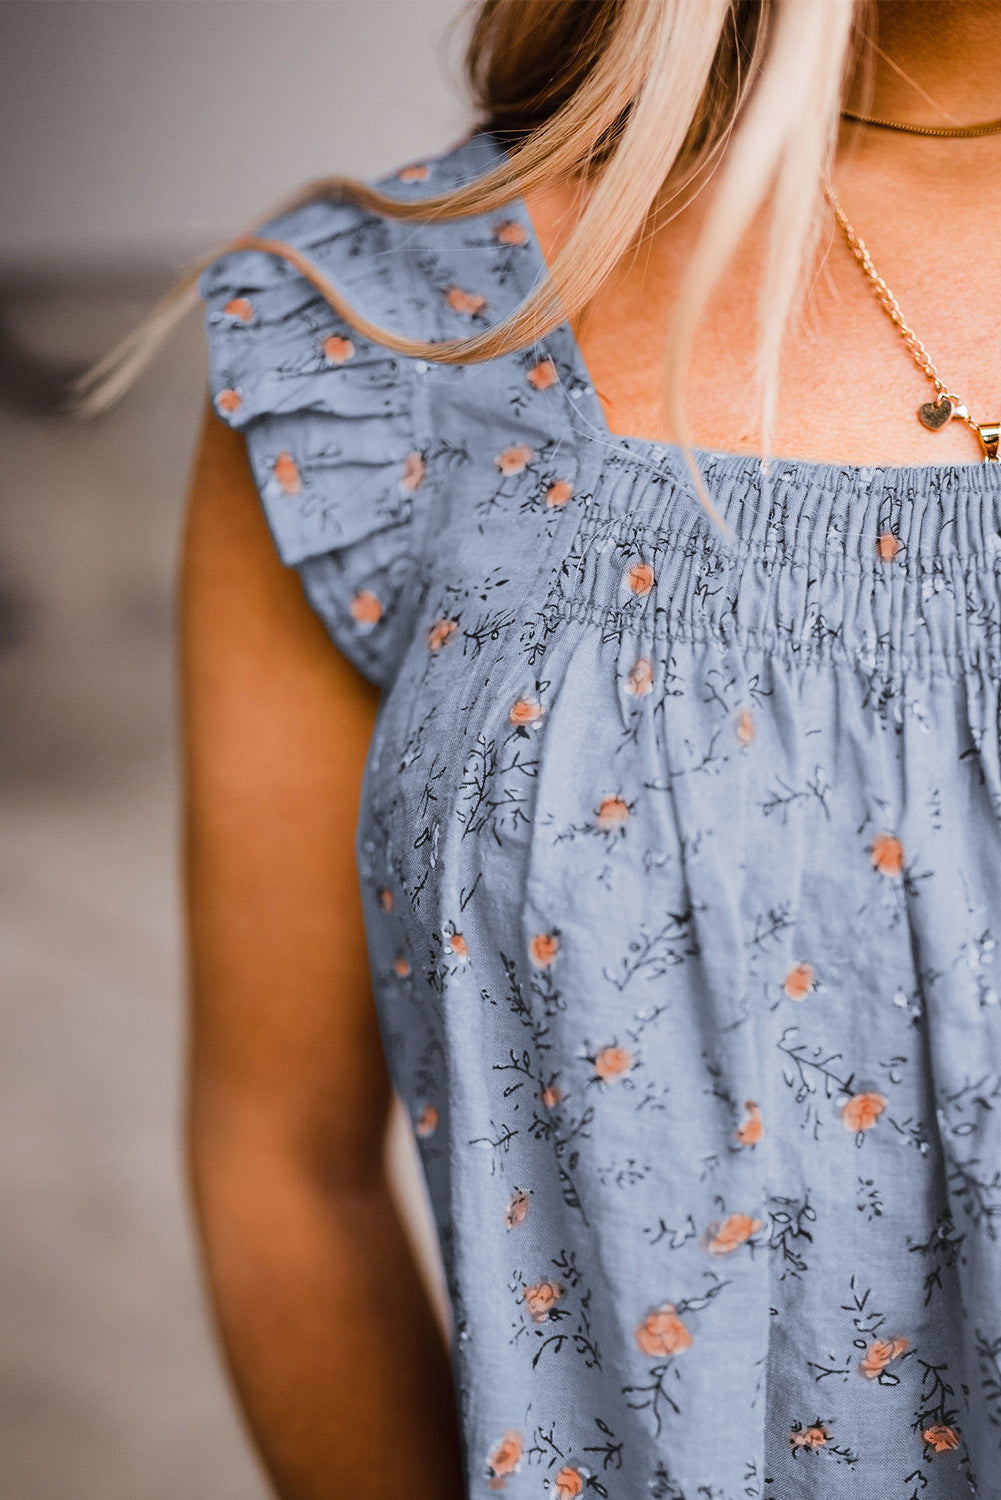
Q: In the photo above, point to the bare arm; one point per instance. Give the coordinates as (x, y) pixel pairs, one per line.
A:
(330, 1336)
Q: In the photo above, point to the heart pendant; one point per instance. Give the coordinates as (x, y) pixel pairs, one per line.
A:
(935, 414)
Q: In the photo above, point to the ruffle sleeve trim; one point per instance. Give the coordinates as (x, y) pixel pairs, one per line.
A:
(333, 423)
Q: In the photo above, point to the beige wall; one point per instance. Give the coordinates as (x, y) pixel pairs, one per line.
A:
(130, 127)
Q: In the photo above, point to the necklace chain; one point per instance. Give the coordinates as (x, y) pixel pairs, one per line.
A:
(933, 415)
(884, 296)
(984, 127)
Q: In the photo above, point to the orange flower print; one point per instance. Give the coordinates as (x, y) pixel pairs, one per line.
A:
(440, 632)
(862, 1111)
(612, 1063)
(799, 981)
(525, 711)
(639, 578)
(417, 172)
(513, 460)
(365, 607)
(887, 854)
(612, 813)
(467, 303)
(558, 494)
(228, 401)
(517, 1208)
(568, 1483)
(750, 1131)
(542, 1298)
(940, 1438)
(879, 1354)
(543, 375)
(401, 966)
(887, 546)
(663, 1333)
(385, 898)
(639, 678)
(427, 1121)
(286, 471)
(543, 949)
(817, 1435)
(733, 1232)
(457, 943)
(550, 1095)
(413, 472)
(510, 233)
(505, 1459)
(745, 728)
(239, 308)
(337, 350)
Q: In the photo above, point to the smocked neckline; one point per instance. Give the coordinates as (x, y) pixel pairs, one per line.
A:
(665, 457)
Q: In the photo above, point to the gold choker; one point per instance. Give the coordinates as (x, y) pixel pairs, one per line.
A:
(986, 127)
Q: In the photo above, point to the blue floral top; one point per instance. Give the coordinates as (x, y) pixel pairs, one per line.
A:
(681, 866)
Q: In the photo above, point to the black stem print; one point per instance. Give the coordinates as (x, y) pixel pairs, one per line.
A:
(989, 1361)
(654, 954)
(498, 1143)
(979, 1192)
(789, 1233)
(654, 1396)
(785, 798)
(610, 1450)
(942, 1248)
(486, 799)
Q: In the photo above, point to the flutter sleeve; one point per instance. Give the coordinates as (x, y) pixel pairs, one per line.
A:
(329, 422)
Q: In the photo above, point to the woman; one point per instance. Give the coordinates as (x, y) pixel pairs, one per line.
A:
(678, 854)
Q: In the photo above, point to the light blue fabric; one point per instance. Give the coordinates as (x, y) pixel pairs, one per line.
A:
(681, 870)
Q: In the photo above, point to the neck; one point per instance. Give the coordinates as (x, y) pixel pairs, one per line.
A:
(932, 62)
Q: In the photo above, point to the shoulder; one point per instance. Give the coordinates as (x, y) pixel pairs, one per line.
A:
(338, 443)
(378, 261)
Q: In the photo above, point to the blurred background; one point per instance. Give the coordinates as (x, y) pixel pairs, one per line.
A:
(134, 136)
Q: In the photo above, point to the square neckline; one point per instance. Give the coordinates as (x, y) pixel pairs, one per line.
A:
(662, 452)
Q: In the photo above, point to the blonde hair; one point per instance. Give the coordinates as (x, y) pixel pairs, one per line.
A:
(641, 102)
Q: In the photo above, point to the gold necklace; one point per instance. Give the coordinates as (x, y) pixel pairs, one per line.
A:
(985, 127)
(932, 414)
